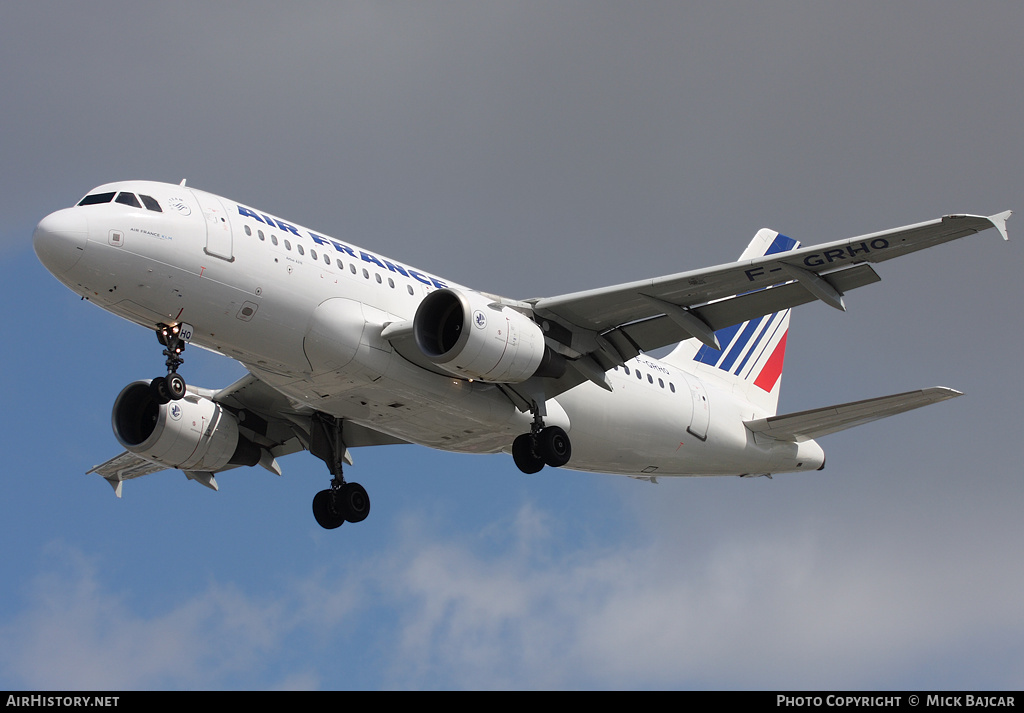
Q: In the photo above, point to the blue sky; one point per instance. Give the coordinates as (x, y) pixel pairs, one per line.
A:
(529, 149)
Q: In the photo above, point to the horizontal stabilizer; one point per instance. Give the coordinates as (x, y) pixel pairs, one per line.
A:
(806, 425)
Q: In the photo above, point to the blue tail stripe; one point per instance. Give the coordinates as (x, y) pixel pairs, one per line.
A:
(757, 341)
(781, 244)
(709, 355)
(737, 348)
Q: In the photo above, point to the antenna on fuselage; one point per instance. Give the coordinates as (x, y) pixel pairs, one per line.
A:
(182, 184)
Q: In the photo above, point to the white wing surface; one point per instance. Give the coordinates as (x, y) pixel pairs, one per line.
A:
(598, 329)
(726, 294)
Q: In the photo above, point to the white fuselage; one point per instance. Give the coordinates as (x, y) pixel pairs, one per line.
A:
(251, 284)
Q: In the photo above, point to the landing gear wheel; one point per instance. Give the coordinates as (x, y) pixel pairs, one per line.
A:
(553, 446)
(325, 512)
(158, 387)
(175, 386)
(523, 455)
(352, 501)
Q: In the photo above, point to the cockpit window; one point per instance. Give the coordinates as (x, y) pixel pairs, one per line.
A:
(128, 199)
(97, 198)
(150, 203)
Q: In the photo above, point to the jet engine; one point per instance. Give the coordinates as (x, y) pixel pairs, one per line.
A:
(473, 336)
(193, 433)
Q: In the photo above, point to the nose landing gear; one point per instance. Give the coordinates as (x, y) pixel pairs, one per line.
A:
(171, 387)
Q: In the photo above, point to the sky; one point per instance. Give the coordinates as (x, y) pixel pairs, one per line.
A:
(529, 149)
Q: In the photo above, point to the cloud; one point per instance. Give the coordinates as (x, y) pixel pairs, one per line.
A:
(523, 604)
(782, 611)
(77, 633)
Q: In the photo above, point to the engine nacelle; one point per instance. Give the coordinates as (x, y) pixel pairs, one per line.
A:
(472, 336)
(193, 433)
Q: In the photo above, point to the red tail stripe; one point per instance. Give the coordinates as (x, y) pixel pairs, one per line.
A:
(773, 368)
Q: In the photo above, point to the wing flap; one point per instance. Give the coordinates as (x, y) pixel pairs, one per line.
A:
(661, 331)
(807, 425)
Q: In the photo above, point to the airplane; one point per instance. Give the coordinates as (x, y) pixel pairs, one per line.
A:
(347, 348)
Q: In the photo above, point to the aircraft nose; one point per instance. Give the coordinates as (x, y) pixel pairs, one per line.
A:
(59, 240)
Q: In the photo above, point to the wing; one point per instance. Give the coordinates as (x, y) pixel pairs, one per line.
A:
(265, 416)
(598, 329)
(124, 467)
(806, 425)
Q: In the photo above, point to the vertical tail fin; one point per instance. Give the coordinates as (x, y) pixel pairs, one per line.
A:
(752, 355)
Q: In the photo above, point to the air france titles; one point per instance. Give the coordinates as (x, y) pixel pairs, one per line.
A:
(827, 257)
(382, 263)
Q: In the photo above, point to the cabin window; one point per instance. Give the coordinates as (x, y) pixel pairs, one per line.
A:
(661, 383)
(379, 281)
(409, 287)
(260, 234)
(352, 267)
(626, 368)
(248, 231)
(327, 259)
(287, 244)
(391, 283)
(340, 266)
(671, 387)
(273, 239)
(650, 379)
(639, 375)
(151, 204)
(97, 198)
(312, 253)
(298, 246)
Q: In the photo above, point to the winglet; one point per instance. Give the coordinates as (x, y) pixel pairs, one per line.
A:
(999, 222)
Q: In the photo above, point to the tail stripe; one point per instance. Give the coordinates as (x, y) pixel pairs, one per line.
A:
(781, 244)
(730, 352)
(710, 355)
(740, 344)
(753, 347)
(780, 321)
(773, 368)
(750, 360)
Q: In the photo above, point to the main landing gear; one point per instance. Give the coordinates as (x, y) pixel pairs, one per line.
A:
(342, 502)
(171, 387)
(543, 445)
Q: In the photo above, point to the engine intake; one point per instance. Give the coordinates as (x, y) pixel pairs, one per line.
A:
(470, 335)
(193, 433)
